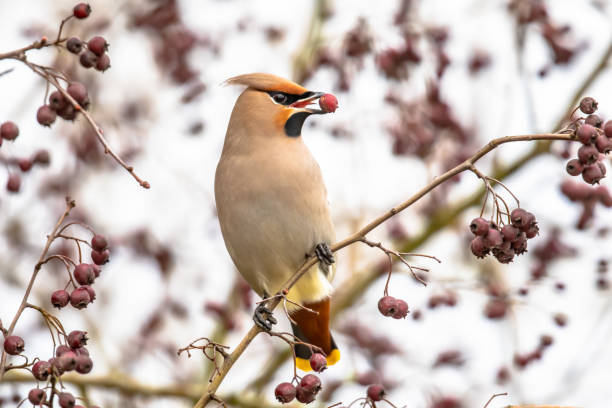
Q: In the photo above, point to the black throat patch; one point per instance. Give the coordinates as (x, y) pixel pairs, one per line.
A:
(293, 126)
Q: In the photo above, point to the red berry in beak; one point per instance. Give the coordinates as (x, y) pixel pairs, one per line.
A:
(328, 102)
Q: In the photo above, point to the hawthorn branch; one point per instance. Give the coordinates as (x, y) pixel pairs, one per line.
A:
(24, 302)
(360, 236)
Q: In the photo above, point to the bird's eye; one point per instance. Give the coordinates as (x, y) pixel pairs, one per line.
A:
(280, 98)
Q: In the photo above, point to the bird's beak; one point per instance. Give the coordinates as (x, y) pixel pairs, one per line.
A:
(303, 103)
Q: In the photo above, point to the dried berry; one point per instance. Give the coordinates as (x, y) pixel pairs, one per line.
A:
(41, 370)
(318, 362)
(311, 383)
(285, 392)
(79, 92)
(9, 131)
(14, 345)
(478, 247)
(97, 45)
(66, 400)
(79, 298)
(594, 120)
(36, 396)
(57, 101)
(103, 63)
(510, 232)
(387, 305)
(84, 364)
(479, 226)
(100, 257)
(376, 392)
(401, 309)
(520, 245)
(594, 173)
(519, 218)
(586, 134)
(67, 112)
(60, 298)
(81, 10)
(88, 59)
(493, 238)
(588, 154)
(588, 105)
(328, 102)
(574, 167)
(84, 274)
(74, 45)
(604, 145)
(99, 242)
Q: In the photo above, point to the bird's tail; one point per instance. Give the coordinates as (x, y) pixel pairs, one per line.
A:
(313, 329)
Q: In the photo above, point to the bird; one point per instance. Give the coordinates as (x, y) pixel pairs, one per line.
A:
(273, 210)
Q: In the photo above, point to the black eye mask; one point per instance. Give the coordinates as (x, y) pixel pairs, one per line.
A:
(288, 99)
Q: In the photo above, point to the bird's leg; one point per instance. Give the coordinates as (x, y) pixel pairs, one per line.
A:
(324, 254)
(263, 316)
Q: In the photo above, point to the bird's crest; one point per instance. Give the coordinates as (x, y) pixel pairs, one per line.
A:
(267, 82)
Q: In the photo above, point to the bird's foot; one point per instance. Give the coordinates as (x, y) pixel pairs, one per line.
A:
(324, 254)
(263, 317)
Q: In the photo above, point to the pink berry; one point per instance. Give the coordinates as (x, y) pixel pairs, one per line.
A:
(493, 238)
(91, 292)
(574, 167)
(586, 134)
(311, 383)
(61, 349)
(97, 45)
(36, 396)
(84, 364)
(318, 362)
(328, 102)
(79, 92)
(9, 131)
(24, 164)
(594, 173)
(14, 345)
(285, 392)
(479, 226)
(60, 298)
(588, 154)
(41, 157)
(594, 120)
(13, 184)
(68, 361)
(387, 305)
(588, 105)
(401, 310)
(604, 145)
(304, 396)
(103, 63)
(84, 274)
(608, 129)
(57, 101)
(45, 115)
(81, 10)
(66, 400)
(478, 247)
(100, 257)
(41, 370)
(99, 242)
(376, 392)
(88, 59)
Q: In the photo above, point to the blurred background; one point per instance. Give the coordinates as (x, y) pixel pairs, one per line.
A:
(421, 86)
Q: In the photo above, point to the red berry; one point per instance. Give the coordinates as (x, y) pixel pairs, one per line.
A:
(311, 383)
(61, 349)
(79, 298)
(594, 120)
(91, 292)
(586, 134)
(97, 45)
(9, 131)
(78, 91)
(574, 167)
(493, 238)
(387, 305)
(532, 231)
(57, 101)
(74, 45)
(14, 345)
(41, 157)
(24, 164)
(84, 364)
(66, 400)
(103, 63)
(318, 362)
(604, 145)
(588, 105)
(479, 226)
(401, 310)
(560, 319)
(84, 274)
(478, 247)
(41, 370)
(588, 154)
(510, 232)
(546, 340)
(45, 115)
(60, 298)
(496, 309)
(608, 129)
(67, 112)
(81, 10)
(13, 184)
(88, 59)
(328, 102)
(376, 392)
(100, 257)
(36, 396)
(68, 361)
(81, 351)
(77, 339)
(594, 173)
(99, 242)
(285, 392)
(304, 396)
(97, 270)
(519, 218)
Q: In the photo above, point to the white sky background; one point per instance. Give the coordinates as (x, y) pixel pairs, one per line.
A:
(363, 179)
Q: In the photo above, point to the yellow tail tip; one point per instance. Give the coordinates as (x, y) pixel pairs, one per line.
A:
(304, 364)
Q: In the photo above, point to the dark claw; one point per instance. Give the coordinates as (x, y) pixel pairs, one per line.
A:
(324, 254)
(263, 317)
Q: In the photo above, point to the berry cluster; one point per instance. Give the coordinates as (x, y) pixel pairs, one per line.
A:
(85, 275)
(506, 242)
(596, 142)
(305, 392)
(588, 197)
(522, 360)
(60, 106)
(92, 54)
(390, 306)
